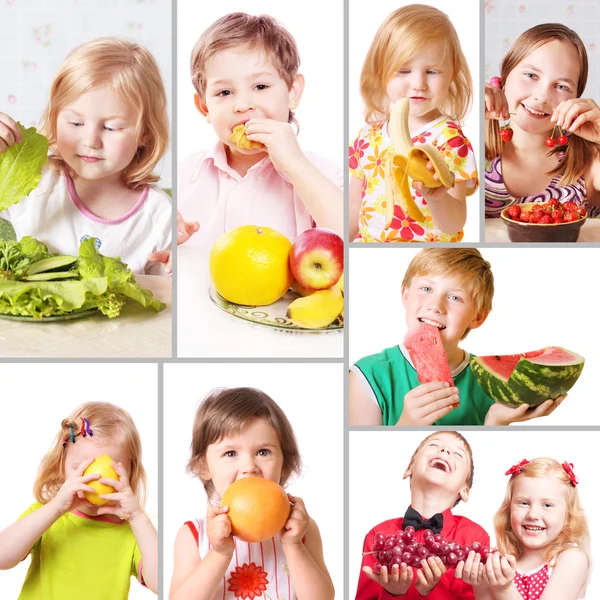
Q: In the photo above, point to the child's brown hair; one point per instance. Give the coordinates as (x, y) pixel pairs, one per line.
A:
(106, 421)
(401, 36)
(241, 30)
(575, 530)
(580, 152)
(460, 438)
(224, 412)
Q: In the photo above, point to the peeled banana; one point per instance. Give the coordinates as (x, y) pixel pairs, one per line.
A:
(318, 310)
(238, 135)
(404, 160)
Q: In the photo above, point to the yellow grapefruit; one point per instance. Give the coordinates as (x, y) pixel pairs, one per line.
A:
(101, 465)
(250, 265)
(258, 508)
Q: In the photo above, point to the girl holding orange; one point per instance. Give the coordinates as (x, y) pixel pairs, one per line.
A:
(242, 432)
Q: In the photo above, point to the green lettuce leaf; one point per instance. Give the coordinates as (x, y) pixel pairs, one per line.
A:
(21, 167)
(39, 299)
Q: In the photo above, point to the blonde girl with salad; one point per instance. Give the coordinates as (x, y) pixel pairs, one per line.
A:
(107, 128)
(79, 549)
(415, 54)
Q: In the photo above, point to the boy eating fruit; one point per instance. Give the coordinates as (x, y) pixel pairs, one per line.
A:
(441, 475)
(445, 292)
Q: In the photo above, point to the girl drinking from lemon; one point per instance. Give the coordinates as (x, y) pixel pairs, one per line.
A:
(242, 433)
(82, 548)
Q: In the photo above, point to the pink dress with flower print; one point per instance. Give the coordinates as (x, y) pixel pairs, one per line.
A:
(367, 156)
(257, 570)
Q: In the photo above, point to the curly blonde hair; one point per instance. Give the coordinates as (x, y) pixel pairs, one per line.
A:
(401, 36)
(130, 71)
(575, 530)
(106, 421)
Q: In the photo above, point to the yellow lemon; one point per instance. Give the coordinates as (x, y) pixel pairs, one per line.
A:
(250, 265)
(101, 465)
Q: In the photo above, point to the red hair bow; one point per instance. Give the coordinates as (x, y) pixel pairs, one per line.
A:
(518, 468)
(568, 467)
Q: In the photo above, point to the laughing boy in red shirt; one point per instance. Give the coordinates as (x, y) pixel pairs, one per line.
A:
(441, 475)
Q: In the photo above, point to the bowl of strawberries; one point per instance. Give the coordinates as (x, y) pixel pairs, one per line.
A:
(544, 221)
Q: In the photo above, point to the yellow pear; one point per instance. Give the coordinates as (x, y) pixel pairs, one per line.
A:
(100, 465)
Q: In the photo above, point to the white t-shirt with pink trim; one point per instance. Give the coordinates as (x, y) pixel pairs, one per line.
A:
(256, 570)
(54, 214)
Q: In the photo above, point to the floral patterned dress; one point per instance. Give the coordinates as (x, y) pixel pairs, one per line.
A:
(367, 156)
(257, 570)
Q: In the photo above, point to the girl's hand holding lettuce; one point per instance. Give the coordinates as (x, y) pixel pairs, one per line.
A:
(23, 153)
(36, 284)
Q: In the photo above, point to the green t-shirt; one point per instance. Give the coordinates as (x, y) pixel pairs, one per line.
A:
(391, 376)
(81, 557)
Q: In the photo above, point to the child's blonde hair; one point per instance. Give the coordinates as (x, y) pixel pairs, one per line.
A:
(401, 36)
(241, 30)
(467, 264)
(579, 152)
(575, 530)
(460, 438)
(106, 421)
(130, 71)
(224, 412)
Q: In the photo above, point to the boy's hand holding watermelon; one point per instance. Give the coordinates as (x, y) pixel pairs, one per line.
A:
(428, 402)
(500, 414)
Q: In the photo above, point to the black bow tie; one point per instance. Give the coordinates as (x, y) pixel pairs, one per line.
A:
(412, 517)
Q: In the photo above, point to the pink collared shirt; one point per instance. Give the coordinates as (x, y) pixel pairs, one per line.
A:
(213, 194)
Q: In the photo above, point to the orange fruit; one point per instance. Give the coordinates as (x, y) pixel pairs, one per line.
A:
(100, 465)
(258, 508)
(250, 265)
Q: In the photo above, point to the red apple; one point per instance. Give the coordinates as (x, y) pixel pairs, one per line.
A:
(317, 258)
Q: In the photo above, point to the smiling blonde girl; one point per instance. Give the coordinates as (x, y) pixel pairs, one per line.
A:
(107, 127)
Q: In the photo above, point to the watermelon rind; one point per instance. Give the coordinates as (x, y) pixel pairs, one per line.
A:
(530, 383)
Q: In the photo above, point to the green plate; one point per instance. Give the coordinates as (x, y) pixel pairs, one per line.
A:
(270, 316)
(68, 317)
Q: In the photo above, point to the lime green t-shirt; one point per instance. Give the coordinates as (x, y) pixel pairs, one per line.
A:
(81, 557)
(391, 376)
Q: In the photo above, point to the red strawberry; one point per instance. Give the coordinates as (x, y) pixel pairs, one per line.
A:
(569, 206)
(571, 216)
(553, 202)
(506, 134)
(545, 220)
(557, 217)
(514, 212)
(581, 211)
(524, 218)
(537, 207)
(535, 216)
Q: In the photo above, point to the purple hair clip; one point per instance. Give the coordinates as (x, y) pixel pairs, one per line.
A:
(88, 428)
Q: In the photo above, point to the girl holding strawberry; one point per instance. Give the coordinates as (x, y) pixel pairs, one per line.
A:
(541, 136)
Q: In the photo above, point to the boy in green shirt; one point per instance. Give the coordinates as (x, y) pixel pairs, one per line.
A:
(452, 289)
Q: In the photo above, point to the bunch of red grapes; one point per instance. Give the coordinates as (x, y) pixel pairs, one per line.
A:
(402, 547)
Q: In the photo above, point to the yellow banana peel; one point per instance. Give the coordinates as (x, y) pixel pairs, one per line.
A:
(318, 310)
(239, 137)
(404, 160)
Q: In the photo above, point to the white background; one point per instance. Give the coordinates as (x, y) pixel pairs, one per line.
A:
(365, 19)
(544, 297)
(35, 399)
(35, 37)
(317, 28)
(378, 493)
(311, 395)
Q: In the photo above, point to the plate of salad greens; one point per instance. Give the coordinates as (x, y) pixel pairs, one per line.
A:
(39, 286)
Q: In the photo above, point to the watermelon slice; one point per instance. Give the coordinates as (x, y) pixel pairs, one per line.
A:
(427, 353)
(528, 378)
